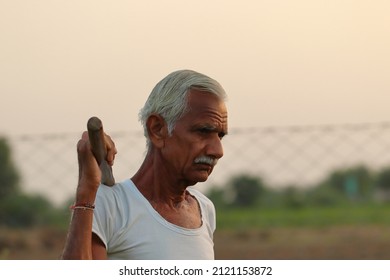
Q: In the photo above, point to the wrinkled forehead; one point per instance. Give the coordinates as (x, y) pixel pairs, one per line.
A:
(207, 107)
(202, 100)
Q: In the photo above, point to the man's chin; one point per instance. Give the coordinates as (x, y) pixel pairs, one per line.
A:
(203, 177)
(199, 179)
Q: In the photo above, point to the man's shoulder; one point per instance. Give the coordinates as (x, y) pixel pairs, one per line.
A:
(119, 191)
(201, 197)
(197, 193)
(208, 209)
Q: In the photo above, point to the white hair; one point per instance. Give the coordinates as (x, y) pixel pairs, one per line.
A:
(169, 97)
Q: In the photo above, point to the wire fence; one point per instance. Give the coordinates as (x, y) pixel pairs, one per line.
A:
(281, 156)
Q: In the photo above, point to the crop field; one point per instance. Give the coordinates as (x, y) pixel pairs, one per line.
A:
(300, 243)
(320, 233)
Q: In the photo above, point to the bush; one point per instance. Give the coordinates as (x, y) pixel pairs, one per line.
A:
(25, 211)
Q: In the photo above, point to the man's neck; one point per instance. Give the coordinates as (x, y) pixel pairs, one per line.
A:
(152, 181)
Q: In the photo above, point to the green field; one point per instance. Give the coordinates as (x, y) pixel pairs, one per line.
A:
(358, 215)
(342, 232)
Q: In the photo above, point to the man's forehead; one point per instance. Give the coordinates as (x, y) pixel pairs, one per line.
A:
(207, 109)
(203, 100)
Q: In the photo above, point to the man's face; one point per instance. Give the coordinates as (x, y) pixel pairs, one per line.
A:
(195, 145)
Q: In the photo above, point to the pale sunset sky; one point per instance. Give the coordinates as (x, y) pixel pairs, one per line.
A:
(281, 62)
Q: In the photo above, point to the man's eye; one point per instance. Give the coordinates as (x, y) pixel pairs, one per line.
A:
(204, 130)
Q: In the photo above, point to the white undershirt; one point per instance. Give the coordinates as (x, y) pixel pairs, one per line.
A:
(130, 228)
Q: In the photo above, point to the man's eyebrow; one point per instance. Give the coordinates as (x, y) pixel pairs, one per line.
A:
(208, 126)
(213, 128)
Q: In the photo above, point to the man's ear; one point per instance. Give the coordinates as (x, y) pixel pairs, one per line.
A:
(157, 130)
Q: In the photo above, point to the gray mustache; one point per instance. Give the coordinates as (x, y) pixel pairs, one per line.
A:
(206, 160)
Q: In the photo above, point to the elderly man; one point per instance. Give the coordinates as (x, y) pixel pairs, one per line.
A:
(156, 214)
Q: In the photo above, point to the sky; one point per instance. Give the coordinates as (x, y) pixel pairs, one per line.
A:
(301, 62)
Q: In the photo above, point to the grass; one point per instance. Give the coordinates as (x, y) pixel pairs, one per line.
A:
(366, 214)
(342, 232)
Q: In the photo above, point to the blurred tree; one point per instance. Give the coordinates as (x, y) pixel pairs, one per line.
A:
(9, 176)
(324, 196)
(246, 190)
(16, 208)
(382, 185)
(352, 183)
(217, 196)
(293, 197)
(383, 179)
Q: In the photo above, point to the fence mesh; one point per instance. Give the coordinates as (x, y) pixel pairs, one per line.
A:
(281, 156)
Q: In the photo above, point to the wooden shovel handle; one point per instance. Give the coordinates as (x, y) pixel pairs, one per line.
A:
(96, 138)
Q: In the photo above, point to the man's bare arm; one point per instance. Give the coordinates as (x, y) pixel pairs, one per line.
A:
(81, 243)
(78, 244)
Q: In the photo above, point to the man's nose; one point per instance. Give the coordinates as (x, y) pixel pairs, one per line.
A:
(215, 148)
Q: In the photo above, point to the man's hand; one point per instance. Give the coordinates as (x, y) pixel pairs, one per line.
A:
(89, 171)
